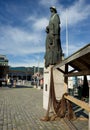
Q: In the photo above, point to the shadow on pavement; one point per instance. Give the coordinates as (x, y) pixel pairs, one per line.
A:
(20, 86)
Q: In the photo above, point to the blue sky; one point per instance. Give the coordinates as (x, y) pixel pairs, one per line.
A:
(23, 23)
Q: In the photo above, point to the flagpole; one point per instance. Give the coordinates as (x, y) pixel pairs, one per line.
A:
(38, 71)
(66, 34)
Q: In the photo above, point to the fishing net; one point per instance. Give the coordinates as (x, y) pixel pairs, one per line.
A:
(61, 108)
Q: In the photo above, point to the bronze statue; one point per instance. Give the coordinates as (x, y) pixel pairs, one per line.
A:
(53, 43)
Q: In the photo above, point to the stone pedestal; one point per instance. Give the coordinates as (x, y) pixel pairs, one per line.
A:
(46, 87)
(58, 85)
(89, 112)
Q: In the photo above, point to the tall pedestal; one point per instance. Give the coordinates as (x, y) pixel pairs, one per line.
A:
(46, 88)
(58, 85)
(89, 112)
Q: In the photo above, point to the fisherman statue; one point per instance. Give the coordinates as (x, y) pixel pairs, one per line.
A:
(53, 43)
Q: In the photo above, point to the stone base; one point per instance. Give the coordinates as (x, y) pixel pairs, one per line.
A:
(46, 87)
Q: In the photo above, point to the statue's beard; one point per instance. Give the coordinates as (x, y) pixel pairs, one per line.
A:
(52, 13)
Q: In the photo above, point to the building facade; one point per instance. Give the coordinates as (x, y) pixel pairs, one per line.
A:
(23, 73)
(4, 69)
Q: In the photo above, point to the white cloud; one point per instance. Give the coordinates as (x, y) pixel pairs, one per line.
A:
(40, 24)
(75, 13)
(48, 2)
(27, 62)
(73, 47)
(30, 18)
(19, 42)
(17, 35)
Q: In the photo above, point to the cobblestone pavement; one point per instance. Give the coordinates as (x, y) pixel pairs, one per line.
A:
(21, 109)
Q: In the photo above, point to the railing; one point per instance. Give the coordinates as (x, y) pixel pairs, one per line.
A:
(78, 102)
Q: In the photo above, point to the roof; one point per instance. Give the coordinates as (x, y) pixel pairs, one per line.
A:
(80, 61)
(18, 68)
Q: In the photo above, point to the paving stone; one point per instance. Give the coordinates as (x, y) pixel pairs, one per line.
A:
(21, 109)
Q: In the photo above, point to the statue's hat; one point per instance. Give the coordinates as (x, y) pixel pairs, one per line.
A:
(53, 7)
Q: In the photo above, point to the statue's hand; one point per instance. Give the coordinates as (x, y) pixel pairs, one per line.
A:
(51, 36)
(51, 45)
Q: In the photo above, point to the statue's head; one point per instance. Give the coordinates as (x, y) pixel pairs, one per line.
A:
(53, 8)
